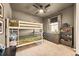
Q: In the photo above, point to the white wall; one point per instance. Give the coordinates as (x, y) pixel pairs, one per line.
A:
(68, 15)
(7, 13)
(26, 17)
(46, 27)
(25, 32)
(7, 10)
(77, 28)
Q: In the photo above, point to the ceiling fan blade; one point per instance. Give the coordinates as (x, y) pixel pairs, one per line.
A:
(47, 6)
(39, 5)
(36, 12)
(45, 10)
(36, 6)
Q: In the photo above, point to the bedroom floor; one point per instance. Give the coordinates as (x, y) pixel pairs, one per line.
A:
(45, 48)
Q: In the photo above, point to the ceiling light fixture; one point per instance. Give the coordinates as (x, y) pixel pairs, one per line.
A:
(41, 8)
(41, 11)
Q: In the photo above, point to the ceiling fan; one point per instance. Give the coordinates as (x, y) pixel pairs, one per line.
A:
(42, 8)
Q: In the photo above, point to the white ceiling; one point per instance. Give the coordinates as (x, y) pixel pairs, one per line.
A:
(29, 8)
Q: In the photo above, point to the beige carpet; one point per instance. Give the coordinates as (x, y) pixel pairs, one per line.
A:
(45, 48)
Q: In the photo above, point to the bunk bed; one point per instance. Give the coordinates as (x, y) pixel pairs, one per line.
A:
(27, 32)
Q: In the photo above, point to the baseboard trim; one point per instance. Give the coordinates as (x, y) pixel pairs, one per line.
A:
(76, 54)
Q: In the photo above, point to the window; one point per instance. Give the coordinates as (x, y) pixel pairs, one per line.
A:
(54, 27)
(54, 24)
